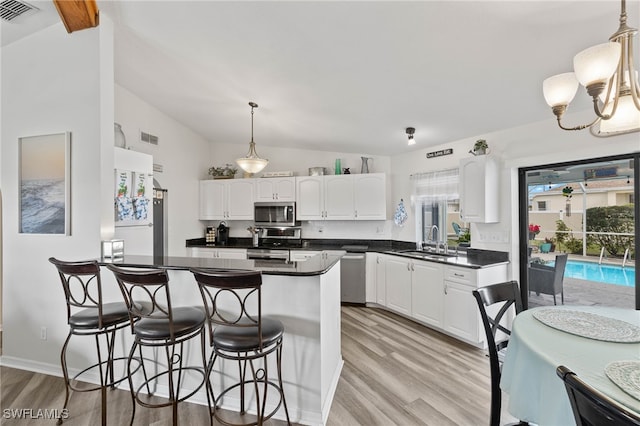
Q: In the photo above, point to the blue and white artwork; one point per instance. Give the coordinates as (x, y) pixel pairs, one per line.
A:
(44, 184)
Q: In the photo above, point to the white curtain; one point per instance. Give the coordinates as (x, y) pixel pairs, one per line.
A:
(440, 185)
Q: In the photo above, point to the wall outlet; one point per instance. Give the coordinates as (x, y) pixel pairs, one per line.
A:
(43, 333)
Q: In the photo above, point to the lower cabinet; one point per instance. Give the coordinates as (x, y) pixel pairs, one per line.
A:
(218, 253)
(301, 255)
(426, 295)
(398, 284)
(435, 294)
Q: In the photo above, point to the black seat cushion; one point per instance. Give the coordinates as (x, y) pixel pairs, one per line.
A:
(240, 339)
(112, 313)
(185, 320)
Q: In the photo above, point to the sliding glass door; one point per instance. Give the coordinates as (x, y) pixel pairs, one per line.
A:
(579, 228)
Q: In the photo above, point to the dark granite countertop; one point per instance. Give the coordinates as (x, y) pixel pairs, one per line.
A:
(316, 265)
(472, 258)
(467, 257)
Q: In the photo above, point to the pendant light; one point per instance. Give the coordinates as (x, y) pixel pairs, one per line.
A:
(252, 163)
(607, 72)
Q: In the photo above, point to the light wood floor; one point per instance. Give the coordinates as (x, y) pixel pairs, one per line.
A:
(396, 372)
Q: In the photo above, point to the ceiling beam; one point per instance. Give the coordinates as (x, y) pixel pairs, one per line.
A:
(78, 15)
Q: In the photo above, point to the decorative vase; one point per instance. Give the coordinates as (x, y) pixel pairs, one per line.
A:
(365, 165)
(338, 170)
(120, 139)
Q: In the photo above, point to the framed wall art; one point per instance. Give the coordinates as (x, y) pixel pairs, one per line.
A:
(45, 184)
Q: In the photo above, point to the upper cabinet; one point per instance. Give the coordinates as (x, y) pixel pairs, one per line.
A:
(223, 199)
(341, 197)
(479, 189)
(276, 189)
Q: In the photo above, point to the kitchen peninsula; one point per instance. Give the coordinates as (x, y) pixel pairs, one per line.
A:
(305, 296)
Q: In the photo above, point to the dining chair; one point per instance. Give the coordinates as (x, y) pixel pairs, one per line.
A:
(591, 407)
(503, 296)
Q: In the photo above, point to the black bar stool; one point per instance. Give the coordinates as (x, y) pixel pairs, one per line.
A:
(146, 293)
(238, 333)
(87, 315)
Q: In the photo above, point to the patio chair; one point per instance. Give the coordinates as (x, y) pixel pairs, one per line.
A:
(547, 279)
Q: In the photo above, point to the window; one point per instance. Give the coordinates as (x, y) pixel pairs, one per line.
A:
(542, 205)
(436, 202)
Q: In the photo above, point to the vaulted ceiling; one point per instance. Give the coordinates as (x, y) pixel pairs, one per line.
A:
(349, 76)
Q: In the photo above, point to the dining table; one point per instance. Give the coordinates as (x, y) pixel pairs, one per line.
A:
(600, 344)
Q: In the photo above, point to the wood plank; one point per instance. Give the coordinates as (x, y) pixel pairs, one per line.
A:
(396, 372)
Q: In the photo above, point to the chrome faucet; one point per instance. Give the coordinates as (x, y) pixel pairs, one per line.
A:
(434, 235)
(436, 231)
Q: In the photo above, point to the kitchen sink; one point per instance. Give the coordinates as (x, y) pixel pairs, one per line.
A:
(427, 254)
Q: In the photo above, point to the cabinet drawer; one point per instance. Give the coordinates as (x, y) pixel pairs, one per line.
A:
(461, 275)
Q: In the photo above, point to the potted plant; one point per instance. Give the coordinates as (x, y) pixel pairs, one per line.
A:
(226, 172)
(533, 231)
(480, 147)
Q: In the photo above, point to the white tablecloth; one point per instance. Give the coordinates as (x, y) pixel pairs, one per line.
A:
(536, 393)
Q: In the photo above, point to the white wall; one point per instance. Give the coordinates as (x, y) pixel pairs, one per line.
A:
(52, 82)
(184, 155)
(535, 144)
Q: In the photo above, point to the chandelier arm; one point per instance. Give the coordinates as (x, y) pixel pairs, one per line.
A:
(599, 113)
(580, 127)
(634, 84)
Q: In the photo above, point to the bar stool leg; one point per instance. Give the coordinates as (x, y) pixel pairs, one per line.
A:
(65, 373)
(279, 364)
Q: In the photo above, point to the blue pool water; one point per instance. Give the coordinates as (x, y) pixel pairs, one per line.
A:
(609, 274)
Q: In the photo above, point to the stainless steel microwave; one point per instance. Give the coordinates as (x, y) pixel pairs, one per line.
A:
(280, 213)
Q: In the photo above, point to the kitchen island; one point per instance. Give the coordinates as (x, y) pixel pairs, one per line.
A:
(305, 296)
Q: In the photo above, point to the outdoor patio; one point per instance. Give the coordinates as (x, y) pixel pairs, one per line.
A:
(582, 292)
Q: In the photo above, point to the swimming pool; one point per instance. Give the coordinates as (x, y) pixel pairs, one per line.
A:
(609, 274)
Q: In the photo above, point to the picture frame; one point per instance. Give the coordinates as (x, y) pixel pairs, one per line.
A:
(45, 184)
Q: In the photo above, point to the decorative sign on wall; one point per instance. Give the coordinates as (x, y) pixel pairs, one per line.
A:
(440, 153)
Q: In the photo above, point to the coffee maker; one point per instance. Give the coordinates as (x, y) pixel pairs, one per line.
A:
(222, 234)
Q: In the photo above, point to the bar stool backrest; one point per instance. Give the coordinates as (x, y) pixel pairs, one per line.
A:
(231, 298)
(82, 285)
(146, 293)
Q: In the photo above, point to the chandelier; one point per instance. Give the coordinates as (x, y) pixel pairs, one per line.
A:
(252, 163)
(607, 72)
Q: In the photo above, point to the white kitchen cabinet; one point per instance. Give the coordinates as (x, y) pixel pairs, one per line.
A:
(461, 316)
(479, 189)
(302, 255)
(398, 284)
(218, 253)
(338, 197)
(376, 279)
(276, 189)
(435, 294)
(223, 199)
(310, 198)
(341, 197)
(426, 292)
(369, 196)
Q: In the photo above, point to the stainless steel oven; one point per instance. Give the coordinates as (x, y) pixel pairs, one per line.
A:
(280, 236)
(277, 213)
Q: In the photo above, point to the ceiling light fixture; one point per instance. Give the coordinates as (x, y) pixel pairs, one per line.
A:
(410, 131)
(607, 72)
(252, 163)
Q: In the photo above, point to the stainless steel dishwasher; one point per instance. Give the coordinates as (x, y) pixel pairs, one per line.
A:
(353, 274)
